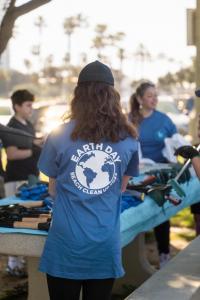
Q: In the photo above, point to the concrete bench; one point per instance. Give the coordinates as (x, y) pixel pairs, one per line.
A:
(178, 280)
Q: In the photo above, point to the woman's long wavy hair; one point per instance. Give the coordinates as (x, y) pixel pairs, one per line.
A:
(135, 115)
(98, 114)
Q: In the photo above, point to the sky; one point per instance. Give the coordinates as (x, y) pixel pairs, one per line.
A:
(158, 24)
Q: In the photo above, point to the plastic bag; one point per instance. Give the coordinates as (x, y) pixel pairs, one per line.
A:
(171, 144)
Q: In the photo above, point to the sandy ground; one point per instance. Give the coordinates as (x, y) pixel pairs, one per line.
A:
(177, 243)
(10, 287)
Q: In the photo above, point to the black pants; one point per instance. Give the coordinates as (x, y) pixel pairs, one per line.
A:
(69, 289)
(162, 234)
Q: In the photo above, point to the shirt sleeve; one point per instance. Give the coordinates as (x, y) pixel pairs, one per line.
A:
(133, 165)
(172, 128)
(48, 163)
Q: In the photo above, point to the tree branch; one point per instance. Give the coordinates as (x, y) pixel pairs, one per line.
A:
(29, 6)
(12, 4)
(12, 13)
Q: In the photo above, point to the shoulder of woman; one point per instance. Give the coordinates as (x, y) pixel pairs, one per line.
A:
(132, 141)
(162, 114)
(57, 134)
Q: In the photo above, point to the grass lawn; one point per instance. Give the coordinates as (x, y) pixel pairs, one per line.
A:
(183, 218)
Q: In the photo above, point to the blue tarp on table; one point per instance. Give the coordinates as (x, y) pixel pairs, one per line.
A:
(134, 220)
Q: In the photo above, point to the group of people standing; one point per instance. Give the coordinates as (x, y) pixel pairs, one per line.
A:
(89, 161)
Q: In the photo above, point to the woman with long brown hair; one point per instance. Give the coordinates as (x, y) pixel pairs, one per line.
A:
(89, 161)
(153, 126)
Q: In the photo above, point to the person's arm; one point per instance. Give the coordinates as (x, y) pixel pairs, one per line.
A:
(38, 142)
(13, 153)
(125, 181)
(132, 170)
(196, 165)
(52, 187)
(1, 165)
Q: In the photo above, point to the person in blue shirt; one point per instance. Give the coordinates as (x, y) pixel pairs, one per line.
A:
(153, 126)
(89, 161)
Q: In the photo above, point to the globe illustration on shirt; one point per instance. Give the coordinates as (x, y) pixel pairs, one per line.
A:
(160, 135)
(95, 169)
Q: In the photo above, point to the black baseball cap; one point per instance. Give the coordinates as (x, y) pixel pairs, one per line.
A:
(96, 72)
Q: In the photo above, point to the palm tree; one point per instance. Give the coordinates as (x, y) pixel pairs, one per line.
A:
(28, 65)
(35, 50)
(40, 24)
(83, 58)
(70, 25)
(114, 41)
(115, 38)
(142, 55)
(121, 55)
(49, 60)
(100, 41)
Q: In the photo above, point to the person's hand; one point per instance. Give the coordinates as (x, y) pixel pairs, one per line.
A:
(38, 142)
(187, 152)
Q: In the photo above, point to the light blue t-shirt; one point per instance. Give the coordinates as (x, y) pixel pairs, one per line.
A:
(84, 239)
(152, 132)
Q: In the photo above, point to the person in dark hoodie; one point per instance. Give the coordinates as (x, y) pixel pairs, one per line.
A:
(21, 162)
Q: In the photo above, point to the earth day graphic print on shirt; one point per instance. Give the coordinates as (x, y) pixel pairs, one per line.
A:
(160, 135)
(94, 168)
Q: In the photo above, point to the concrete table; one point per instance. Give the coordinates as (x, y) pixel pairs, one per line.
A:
(134, 221)
(30, 246)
